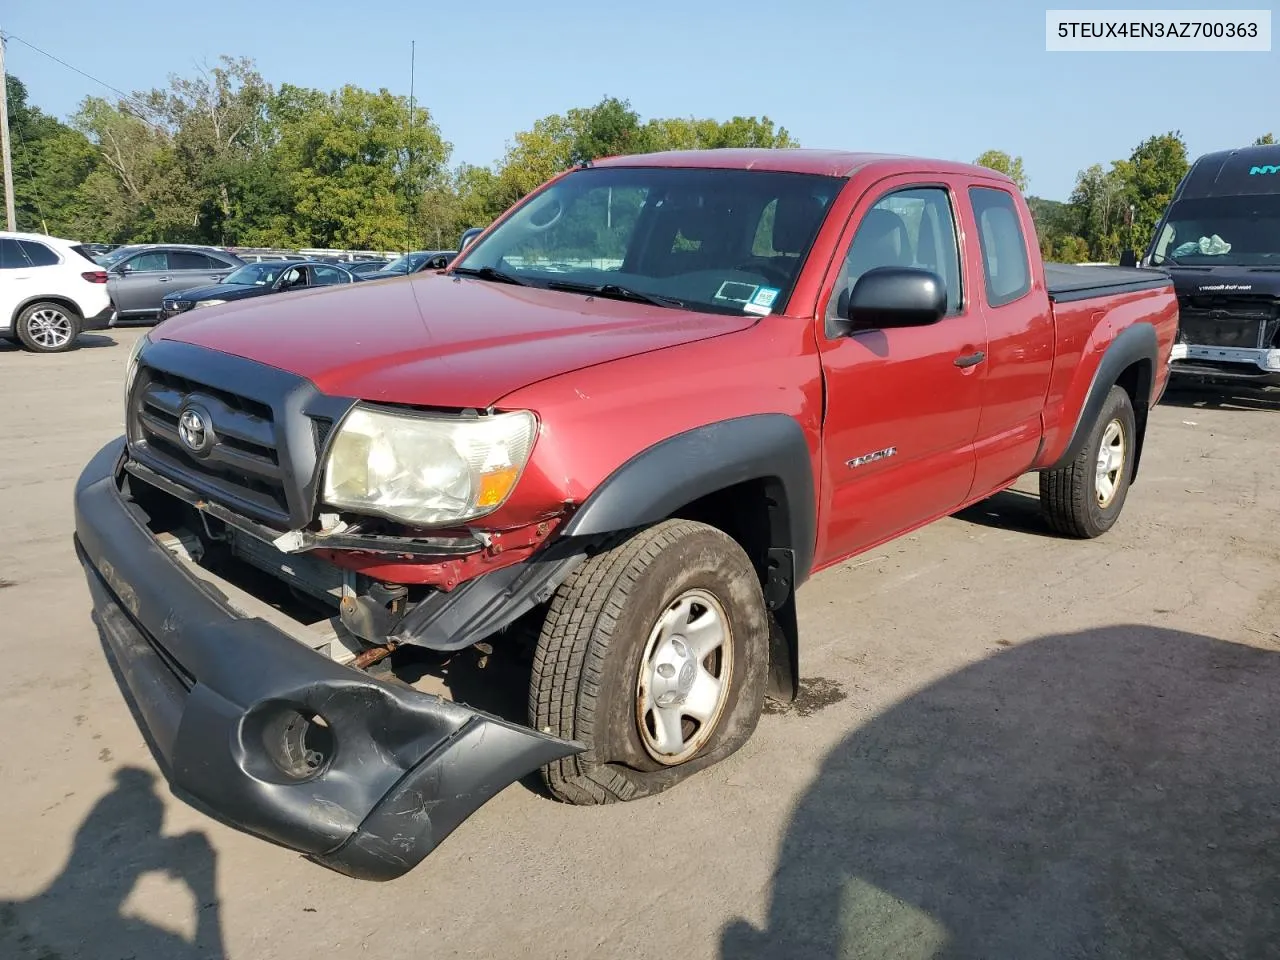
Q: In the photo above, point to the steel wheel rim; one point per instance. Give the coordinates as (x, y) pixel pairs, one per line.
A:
(49, 328)
(1111, 460)
(684, 677)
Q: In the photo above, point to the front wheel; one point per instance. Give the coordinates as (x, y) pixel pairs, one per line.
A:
(1084, 498)
(655, 655)
(47, 327)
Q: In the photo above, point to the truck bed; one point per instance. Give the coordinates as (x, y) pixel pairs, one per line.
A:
(1066, 282)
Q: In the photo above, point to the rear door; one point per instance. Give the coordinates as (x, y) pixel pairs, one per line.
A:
(189, 269)
(1011, 295)
(902, 405)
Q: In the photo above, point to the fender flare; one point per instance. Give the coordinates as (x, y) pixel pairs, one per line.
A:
(658, 481)
(661, 479)
(1134, 344)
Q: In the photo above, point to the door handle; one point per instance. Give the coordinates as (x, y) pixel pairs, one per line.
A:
(162, 279)
(970, 359)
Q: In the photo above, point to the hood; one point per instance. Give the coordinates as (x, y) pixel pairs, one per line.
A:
(435, 340)
(219, 291)
(1234, 281)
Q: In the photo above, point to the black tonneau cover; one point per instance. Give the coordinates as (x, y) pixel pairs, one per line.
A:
(1068, 281)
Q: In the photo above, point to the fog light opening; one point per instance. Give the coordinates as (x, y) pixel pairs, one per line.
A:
(299, 743)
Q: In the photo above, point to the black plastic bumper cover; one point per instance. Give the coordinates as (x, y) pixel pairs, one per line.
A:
(405, 768)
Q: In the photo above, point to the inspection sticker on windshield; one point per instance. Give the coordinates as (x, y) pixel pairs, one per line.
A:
(765, 296)
(736, 292)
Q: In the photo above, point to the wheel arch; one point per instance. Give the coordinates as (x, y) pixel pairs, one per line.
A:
(751, 477)
(1129, 362)
(59, 299)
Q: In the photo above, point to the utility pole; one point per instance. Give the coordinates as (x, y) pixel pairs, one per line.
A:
(10, 217)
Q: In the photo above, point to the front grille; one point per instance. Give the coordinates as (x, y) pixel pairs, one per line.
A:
(267, 429)
(244, 462)
(1248, 322)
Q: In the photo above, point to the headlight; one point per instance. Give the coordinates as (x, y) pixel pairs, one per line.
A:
(131, 365)
(206, 303)
(426, 470)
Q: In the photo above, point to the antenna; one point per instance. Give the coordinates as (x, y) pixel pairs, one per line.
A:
(410, 184)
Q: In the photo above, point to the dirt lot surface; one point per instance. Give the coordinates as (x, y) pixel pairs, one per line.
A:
(1010, 745)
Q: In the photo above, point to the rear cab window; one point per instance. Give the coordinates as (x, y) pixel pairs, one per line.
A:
(1005, 265)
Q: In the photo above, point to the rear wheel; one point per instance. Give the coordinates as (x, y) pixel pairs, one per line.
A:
(654, 654)
(47, 327)
(1084, 498)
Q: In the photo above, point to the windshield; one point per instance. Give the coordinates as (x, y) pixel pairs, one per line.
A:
(116, 255)
(258, 274)
(1220, 231)
(405, 264)
(720, 241)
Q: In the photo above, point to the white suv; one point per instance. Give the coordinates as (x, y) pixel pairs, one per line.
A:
(51, 291)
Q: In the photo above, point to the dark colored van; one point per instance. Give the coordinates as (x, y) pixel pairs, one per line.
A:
(1220, 241)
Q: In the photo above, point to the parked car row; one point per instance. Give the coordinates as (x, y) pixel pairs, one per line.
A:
(53, 289)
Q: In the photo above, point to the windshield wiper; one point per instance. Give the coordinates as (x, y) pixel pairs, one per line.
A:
(614, 291)
(489, 273)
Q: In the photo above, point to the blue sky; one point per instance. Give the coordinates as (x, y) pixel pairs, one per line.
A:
(943, 78)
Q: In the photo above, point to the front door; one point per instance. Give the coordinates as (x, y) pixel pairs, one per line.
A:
(902, 405)
(139, 282)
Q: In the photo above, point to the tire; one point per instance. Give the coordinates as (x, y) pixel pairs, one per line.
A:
(1072, 497)
(47, 327)
(606, 620)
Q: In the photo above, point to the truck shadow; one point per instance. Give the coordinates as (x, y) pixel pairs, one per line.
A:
(1111, 793)
(1012, 510)
(81, 913)
(1227, 396)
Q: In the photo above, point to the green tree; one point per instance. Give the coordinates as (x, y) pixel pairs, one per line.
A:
(350, 171)
(1265, 140)
(217, 124)
(1150, 175)
(1097, 210)
(50, 162)
(1002, 162)
(146, 196)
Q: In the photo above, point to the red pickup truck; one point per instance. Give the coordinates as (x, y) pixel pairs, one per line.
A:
(636, 413)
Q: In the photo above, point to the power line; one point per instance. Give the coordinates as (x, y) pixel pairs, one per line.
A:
(128, 98)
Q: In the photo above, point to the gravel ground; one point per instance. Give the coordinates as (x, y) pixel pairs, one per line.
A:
(1010, 745)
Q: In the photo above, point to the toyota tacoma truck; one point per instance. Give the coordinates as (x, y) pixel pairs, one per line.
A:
(636, 413)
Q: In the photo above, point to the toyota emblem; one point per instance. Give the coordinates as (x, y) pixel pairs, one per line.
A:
(195, 429)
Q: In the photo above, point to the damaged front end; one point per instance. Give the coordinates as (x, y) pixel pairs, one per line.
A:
(271, 737)
(262, 720)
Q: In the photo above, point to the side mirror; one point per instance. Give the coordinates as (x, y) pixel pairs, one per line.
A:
(124, 269)
(1128, 258)
(468, 235)
(894, 297)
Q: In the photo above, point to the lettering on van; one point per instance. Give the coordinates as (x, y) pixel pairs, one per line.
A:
(1268, 168)
(1216, 287)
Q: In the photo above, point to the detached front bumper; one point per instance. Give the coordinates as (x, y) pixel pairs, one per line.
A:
(267, 736)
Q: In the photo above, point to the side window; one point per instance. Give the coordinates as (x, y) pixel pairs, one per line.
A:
(1004, 249)
(39, 254)
(154, 261)
(11, 255)
(327, 276)
(185, 260)
(907, 228)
